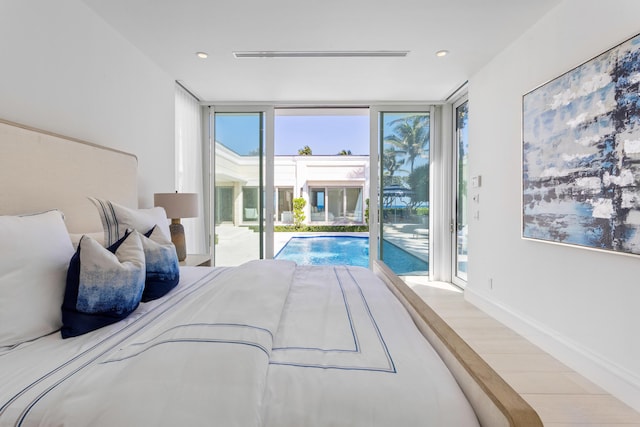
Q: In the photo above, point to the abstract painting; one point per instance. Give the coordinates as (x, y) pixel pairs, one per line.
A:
(581, 154)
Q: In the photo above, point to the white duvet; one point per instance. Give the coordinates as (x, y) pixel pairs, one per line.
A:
(263, 344)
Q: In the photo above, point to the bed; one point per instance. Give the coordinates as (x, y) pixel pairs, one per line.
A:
(267, 343)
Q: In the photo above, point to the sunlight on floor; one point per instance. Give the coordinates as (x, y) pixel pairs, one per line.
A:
(419, 281)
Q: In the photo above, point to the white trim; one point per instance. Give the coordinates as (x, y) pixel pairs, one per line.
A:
(616, 380)
(268, 119)
(374, 165)
(440, 193)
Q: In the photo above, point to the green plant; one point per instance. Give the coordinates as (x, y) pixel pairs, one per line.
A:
(298, 211)
(305, 151)
(422, 211)
(366, 212)
(321, 228)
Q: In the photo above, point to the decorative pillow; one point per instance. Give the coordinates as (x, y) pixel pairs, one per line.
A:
(35, 252)
(163, 270)
(75, 238)
(117, 219)
(103, 285)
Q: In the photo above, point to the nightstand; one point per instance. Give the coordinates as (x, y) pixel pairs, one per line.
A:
(197, 260)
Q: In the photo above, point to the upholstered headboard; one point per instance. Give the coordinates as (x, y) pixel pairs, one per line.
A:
(40, 171)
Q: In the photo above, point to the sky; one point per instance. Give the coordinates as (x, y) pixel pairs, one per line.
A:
(323, 131)
(324, 134)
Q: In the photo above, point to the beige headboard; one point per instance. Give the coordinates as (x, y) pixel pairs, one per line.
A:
(40, 171)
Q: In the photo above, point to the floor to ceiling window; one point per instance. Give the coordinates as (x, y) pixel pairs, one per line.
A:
(404, 191)
(238, 182)
(265, 163)
(461, 202)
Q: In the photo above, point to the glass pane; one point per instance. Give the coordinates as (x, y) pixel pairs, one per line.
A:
(285, 205)
(354, 208)
(404, 195)
(336, 204)
(250, 204)
(237, 187)
(317, 204)
(462, 229)
(223, 204)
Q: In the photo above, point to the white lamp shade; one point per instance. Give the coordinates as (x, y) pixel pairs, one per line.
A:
(177, 205)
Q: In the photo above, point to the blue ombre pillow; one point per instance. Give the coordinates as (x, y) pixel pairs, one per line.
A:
(103, 285)
(163, 270)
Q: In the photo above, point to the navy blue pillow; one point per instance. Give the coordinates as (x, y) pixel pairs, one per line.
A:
(163, 269)
(103, 285)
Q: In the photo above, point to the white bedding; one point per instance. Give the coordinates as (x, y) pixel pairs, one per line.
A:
(265, 344)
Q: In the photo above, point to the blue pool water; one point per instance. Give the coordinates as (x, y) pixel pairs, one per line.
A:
(341, 250)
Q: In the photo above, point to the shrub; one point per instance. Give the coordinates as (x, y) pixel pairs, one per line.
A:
(321, 228)
(298, 211)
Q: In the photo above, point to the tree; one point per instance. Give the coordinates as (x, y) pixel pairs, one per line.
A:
(391, 163)
(298, 211)
(305, 151)
(410, 136)
(366, 211)
(419, 183)
(344, 153)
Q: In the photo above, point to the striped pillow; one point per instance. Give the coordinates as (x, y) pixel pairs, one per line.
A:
(117, 219)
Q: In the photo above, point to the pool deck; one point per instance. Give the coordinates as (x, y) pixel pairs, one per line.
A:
(237, 245)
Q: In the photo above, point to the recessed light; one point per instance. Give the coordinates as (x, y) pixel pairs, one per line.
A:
(202, 55)
(442, 53)
(322, 54)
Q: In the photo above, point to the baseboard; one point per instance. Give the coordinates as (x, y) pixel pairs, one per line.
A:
(614, 379)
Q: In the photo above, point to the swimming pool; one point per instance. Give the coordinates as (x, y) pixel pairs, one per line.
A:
(348, 250)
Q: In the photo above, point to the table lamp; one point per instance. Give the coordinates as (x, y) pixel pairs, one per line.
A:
(178, 205)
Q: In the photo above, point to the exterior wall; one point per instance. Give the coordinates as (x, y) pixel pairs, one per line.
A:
(296, 172)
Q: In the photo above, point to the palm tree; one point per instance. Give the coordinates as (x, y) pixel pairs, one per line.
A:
(410, 136)
(305, 151)
(391, 164)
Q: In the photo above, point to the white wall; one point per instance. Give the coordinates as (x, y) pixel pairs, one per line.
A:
(63, 69)
(581, 305)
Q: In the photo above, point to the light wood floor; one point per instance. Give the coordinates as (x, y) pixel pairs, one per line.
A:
(559, 395)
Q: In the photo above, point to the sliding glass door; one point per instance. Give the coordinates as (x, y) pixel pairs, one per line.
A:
(257, 183)
(238, 201)
(461, 116)
(404, 191)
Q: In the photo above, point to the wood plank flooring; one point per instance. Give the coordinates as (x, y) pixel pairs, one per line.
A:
(561, 397)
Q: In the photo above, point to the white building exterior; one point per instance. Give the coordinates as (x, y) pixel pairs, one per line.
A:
(334, 187)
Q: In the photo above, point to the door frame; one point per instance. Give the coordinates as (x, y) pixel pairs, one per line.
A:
(267, 213)
(375, 147)
(455, 279)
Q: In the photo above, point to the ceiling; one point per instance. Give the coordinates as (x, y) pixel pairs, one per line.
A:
(170, 32)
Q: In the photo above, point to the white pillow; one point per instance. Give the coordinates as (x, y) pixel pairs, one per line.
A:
(97, 236)
(34, 255)
(117, 219)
